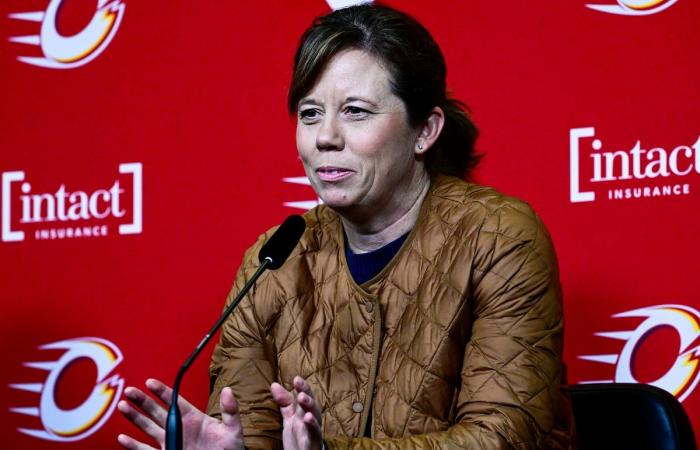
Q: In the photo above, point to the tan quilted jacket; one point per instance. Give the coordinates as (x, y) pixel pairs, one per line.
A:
(457, 343)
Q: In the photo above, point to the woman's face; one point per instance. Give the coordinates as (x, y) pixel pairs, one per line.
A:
(354, 137)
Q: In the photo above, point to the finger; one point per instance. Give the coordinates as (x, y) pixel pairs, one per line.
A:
(132, 444)
(282, 396)
(165, 394)
(284, 399)
(306, 402)
(314, 429)
(301, 385)
(146, 404)
(141, 421)
(306, 397)
(229, 409)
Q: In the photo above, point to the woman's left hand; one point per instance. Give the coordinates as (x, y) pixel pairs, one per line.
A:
(301, 416)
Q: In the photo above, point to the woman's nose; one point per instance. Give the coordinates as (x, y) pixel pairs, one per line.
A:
(329, 136)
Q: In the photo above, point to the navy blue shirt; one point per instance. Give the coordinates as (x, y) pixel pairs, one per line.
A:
(364, 266)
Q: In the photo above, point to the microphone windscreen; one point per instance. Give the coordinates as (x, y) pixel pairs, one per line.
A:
(282, 242)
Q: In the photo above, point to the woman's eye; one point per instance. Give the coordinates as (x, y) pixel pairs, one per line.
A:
(308, 114)
(356, 112)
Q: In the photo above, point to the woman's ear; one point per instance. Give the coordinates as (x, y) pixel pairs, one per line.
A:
(430, 131)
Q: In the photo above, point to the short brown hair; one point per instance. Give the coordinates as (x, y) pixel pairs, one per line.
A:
(417, 69)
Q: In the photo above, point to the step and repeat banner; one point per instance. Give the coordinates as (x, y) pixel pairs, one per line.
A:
(145, 145)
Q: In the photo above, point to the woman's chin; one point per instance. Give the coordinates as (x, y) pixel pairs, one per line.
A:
(337, 201)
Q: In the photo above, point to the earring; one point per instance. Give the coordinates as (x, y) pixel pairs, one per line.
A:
(420, 146)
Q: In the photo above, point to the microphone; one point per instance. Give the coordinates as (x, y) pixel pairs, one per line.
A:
(278, 248)
(272, 255)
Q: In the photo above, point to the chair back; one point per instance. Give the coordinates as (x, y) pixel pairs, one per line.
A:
(629, 416)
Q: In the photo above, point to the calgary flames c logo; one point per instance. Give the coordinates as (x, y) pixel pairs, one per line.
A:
(681, 378)
(635, 7)
(67, 52)
(80, 422)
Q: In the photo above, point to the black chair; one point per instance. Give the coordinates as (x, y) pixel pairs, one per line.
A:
(624, 416)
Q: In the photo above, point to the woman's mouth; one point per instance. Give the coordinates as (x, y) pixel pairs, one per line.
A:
(333, 173)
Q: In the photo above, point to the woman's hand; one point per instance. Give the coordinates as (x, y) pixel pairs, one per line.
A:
(200, 431)
(301, 416)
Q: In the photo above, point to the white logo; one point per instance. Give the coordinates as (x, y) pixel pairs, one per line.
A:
(55, 212)
(304, 204)
(68, 52)
(681, 378)
(338, 4)
(634, 164)
(71, 425)
(634, 7)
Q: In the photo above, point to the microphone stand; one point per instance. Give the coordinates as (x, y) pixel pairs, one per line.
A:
(173, 425)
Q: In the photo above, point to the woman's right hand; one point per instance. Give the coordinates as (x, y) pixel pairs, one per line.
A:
(200, 431)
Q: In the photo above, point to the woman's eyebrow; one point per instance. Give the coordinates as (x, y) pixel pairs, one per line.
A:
(361, 99)
(308, 101)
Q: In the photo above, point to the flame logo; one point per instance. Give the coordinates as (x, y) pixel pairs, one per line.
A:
(304, 204)
(338, 4)
(634, 7)
(682, 377)
(68, 52)
(71, 425)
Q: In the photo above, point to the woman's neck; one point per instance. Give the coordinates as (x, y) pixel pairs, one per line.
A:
(366, 237)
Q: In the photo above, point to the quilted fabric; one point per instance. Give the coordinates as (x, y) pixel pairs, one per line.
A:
(457, 343)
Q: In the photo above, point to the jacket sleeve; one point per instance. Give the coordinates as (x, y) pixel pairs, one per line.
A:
(245, 360)
(512, 365)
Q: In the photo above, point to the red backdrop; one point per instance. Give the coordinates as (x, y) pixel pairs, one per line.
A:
(145, 145)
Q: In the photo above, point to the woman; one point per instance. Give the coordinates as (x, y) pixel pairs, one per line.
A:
(418, 311)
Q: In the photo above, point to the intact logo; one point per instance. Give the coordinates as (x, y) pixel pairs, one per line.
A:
(67, 425)
(69, 52)
(679, 368)
(640, 172)
(634, 7)
(63, 212)
(302, 204)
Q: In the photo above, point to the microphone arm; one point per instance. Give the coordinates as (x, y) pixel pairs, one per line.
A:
(173, 428)
(271, 256)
